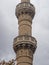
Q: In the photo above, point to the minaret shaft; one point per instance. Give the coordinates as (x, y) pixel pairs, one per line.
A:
(25, 23)
(24, 44)
(25, 0)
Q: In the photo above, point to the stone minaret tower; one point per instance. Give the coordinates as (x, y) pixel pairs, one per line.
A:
(24, 44)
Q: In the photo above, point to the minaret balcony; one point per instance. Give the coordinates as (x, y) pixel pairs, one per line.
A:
(23, 40)
(25, 8)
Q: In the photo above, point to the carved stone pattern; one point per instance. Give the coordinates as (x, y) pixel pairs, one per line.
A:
(25, 46)
(25, 8)
(25, 38)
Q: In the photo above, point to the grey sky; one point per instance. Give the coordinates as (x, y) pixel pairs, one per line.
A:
(9, 30)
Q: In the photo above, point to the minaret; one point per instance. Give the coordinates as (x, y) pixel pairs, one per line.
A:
(24, 44)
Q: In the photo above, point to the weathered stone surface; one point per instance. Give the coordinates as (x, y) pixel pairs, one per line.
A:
(25, 8)
(25, 0)
(24, 44)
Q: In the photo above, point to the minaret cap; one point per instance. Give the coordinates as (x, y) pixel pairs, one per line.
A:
(25, 0)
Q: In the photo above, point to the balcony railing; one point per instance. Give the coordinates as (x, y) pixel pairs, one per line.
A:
(25, 39)
(25, 5)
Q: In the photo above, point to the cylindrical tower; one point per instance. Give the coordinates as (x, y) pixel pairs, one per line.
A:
(25, 0)
(24, 44)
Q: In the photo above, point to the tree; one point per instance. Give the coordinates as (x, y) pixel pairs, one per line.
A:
(11, 62)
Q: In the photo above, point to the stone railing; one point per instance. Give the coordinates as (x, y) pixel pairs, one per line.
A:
(25, 5)
(29, 9)
(25, 39)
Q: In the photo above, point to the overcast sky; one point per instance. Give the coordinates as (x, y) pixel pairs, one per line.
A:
(9, 30)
